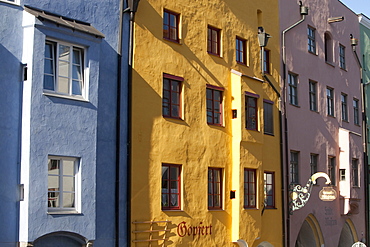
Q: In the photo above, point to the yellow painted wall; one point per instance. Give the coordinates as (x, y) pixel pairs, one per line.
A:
(191, 142)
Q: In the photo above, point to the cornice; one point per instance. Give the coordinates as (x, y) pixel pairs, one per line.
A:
(364, 20)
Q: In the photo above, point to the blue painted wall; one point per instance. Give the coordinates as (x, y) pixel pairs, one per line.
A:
(66, 127)
(10, 88)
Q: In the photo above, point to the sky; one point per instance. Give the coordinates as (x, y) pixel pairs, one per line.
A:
(358, 6)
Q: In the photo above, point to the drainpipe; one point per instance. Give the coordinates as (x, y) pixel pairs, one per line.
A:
(303, 12)
(131, 9)
(354, 43)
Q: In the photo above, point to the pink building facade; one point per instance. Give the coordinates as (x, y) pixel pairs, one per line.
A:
(322, 122)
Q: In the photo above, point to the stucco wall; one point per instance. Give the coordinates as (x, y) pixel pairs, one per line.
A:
(191, 142)
(10, 105)
(316, 132)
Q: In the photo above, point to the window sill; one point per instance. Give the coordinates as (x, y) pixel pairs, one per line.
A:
(298, 106)
(173, 118)
(249, 208)
(269, 134)
(330, 63)
(216, 210)
(61, 212)
(315, 111)
(216, 125)
(64, 96)
(172, 210)
(173, 41)
(16, 3)
(214, 54)
(313, 53)
(331, 116)
(243, 64)
(344, 69)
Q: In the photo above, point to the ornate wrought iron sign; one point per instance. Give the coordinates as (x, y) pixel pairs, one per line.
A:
(299, 195)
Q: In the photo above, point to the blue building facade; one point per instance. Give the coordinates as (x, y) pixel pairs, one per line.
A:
(63, 72)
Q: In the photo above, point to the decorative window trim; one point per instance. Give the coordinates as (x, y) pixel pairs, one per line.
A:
(56, 74)
(61, 176)
(169, 180)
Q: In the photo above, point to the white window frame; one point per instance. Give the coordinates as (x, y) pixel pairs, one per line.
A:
(77, 186)
(15, 2)
(84, 71)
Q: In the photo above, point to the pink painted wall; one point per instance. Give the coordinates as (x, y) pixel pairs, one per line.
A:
(316, 132)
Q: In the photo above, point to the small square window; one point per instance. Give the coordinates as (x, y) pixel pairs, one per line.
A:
(214, 41)
(214, 188)
(64, 69)
(342, 174)
(63, 184)
(171, 22)
(171, 186)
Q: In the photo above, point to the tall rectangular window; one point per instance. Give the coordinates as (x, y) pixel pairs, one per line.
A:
(64, 69)
(356, 113)
(171, 25)
(268, 118)
(171, 99)
(332, 169)
(313, 163)
(330, 101)
(313, 95)
(266, 61)
(214, 106)
(171, 186)
(241, 50)
(342, 56)
(294, 178)
(344, 107)
(269, 189)
(311, 39)
(251, 111)
(214, 40)
(62, 184)
(293, 88)
(355, 180)
(250, 188)
(214, 188)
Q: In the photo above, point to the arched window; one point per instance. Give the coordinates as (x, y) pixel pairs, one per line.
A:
(61, 239)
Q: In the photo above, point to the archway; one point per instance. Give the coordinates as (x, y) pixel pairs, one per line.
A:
(348, 235)
(310, 233)
(60, 239)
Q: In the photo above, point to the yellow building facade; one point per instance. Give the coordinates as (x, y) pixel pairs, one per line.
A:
(206, 166)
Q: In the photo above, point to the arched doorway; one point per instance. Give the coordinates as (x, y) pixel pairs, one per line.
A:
(348, 234)
(310, 233)
(60, 239)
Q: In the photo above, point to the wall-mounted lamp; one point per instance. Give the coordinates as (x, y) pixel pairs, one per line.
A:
(263, 37)
(303, 9)
(335, 19)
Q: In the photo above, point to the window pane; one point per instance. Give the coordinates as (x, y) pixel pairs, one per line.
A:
(64, 52)
(63, 85)
(48, 67)
(68, 200)
(76, 87)
(68, 184)
(77, 56)
(53, 182)
(49, 82)
(63, 68)
(49, 50)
